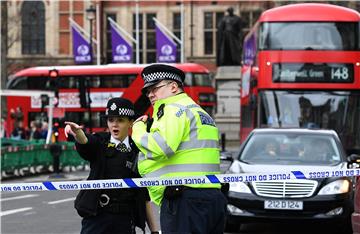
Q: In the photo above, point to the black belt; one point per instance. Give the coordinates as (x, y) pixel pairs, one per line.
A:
(118, 208)
(115, 205)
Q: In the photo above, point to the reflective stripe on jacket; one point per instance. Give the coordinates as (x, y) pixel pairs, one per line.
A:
(183, 141)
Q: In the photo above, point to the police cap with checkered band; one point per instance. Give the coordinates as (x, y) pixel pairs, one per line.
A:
(119, 107)
(155, 73)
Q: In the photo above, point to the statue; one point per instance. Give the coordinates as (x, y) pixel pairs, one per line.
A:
(229, 40)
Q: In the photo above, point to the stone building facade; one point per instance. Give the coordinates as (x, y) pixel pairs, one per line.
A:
(39, 31)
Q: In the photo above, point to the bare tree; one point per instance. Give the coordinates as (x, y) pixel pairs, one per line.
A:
(13, 37)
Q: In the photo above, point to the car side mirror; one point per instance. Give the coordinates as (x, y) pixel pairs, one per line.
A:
(226, 156)
(354, 158)
(226, 160)
(353, 161)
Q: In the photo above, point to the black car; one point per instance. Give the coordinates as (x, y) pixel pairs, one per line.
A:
(284, 150)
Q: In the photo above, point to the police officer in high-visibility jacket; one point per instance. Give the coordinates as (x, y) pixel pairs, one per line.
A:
(180, 140)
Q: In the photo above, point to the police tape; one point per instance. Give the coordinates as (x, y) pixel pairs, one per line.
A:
(173, 181)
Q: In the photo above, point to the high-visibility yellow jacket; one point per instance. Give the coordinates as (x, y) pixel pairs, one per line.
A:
(183, 141)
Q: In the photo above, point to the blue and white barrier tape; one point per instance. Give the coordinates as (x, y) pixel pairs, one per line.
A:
(172, 181)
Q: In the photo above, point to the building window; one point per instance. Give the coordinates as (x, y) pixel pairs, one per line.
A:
(249, 18)
(108, 37)
(151, 38)
(140, 37)
(211, 21)
(33, 27)
(147, 40)
(177, 33)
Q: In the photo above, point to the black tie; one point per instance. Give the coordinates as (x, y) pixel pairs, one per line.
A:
(122, 147)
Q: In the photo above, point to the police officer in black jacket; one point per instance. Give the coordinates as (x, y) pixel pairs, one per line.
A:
(112, 155)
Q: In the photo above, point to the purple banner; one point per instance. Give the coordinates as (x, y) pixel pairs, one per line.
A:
(165, 47)
(250, 50)
(121, 49)
(81, 47)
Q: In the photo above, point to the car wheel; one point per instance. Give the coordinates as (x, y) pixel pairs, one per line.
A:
(232, 227)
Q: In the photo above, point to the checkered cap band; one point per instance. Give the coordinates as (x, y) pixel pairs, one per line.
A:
(126, 112)
(161, 76)
(123, 112)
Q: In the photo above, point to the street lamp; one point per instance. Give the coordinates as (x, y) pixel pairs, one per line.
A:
(90, 15)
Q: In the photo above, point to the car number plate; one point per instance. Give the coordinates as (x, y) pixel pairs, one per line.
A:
(283, 205)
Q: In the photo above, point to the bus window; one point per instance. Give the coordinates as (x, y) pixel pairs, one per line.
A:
(95, 118)
(188, 80)
(41, 83)
(83, 118)
(91, 81)
(97, 81)
(202, 79)
(37, 116)
(94, 81)
(37, 83)
(117, 81)
(131, 78)
(18, 83)
(308, 36)
(198, 79)
(68, 82)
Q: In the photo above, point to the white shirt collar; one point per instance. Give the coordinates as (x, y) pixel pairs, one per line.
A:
(125, 141)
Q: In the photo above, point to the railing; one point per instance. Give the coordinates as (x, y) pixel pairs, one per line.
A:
(31, 155)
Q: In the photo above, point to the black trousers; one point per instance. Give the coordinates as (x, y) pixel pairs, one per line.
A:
(106, 222)
(200, 211)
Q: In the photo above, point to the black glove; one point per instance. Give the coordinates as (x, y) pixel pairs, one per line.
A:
(149, 122)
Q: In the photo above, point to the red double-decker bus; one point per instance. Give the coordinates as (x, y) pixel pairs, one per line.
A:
(101, 82)
(301, 68)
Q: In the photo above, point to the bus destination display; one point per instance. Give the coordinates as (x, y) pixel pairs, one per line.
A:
(314, 73)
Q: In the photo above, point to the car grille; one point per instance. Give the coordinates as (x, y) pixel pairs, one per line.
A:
(285, 188)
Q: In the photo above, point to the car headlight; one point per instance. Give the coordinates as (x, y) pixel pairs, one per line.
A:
(239, 187)
(335, 187)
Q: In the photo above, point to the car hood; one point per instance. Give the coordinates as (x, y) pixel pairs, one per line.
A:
(240, 167)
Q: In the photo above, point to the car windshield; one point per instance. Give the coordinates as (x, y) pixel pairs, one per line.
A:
(291, 148)
(338, 110)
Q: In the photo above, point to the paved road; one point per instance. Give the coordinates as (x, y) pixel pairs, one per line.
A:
(53, 212)
(40, 212)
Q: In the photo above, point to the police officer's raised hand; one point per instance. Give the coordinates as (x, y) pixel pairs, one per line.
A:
(71, 128)
(75, 130)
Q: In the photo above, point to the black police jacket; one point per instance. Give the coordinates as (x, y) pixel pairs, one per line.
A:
(94, 151)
